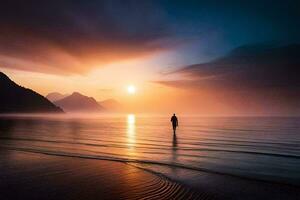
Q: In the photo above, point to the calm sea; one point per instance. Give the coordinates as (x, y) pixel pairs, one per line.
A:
(250, 148)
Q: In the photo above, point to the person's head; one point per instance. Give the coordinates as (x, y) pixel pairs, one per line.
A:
(174, 114)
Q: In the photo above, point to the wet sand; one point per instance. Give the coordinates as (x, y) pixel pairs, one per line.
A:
(37, 176)
(221, 186)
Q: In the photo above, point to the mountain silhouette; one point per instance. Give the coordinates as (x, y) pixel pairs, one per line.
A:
(77, 102)
(55, 96)
(17, 99)
(111, 105)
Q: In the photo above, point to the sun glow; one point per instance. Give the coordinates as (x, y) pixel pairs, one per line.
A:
(131, 89)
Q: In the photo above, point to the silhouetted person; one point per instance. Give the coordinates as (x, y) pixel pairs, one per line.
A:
(174, 121)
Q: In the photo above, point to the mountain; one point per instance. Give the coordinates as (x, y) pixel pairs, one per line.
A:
(111, 105)
(17, 99)
(55, 96)
(77, 102)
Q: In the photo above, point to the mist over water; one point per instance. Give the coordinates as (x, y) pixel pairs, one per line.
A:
(262, 148)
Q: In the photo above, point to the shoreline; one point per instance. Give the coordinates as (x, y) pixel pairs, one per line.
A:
(195, 184)
(27, 175)
(139, 163)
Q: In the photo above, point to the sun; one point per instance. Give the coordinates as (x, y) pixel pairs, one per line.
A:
(131, 89)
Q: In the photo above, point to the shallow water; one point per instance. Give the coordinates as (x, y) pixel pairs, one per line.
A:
(262, 148)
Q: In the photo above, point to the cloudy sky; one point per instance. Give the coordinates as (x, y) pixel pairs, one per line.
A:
(100, 47)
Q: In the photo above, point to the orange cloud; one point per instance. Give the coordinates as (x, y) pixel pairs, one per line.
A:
(67, 38)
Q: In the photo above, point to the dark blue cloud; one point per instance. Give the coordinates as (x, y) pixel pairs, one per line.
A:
(250, 67)
(256, 78)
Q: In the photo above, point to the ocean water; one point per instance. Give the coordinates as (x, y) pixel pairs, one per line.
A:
(252, 148)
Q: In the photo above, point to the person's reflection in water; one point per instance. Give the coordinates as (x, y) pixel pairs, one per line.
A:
(174, 142)
(174, 152)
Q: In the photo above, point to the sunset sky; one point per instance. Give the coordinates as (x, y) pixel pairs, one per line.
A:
(99, 48)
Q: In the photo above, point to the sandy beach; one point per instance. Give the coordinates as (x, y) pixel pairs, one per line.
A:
(37, 176)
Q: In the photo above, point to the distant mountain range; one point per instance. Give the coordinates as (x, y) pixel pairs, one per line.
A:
(55, 96)
(111, 105)
(17, 99)
(77, 102)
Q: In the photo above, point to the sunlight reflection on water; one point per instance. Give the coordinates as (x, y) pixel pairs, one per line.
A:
(131, 131)
(264, 148)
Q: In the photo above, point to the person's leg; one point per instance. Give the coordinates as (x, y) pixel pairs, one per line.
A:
(174, 129)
